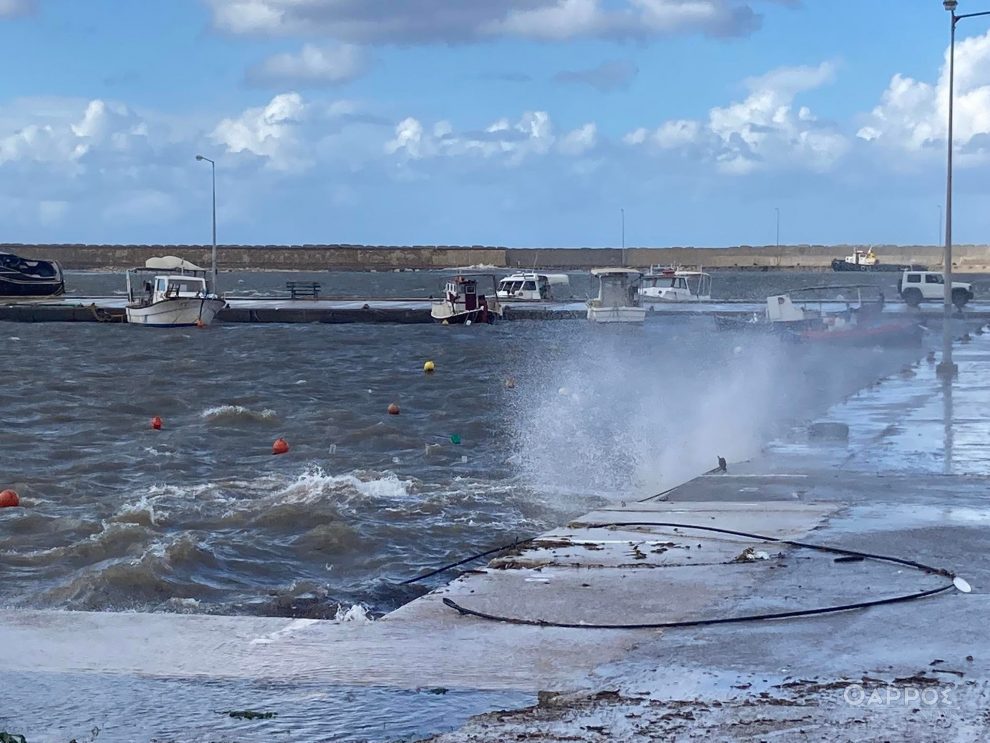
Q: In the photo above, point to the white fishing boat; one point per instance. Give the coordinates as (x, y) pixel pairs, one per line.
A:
(462, 304)
(170, 292)
(530, 286)
(618, 296)
(676, 285)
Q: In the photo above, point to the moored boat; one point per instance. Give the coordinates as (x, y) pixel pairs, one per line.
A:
(530, 286)
(672, 284)
(27, 277)
(170, 292)
(817, 319)
(618, 296)
(462, 304)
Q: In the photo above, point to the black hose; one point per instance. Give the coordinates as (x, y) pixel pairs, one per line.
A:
(744, 618)
(445, 568)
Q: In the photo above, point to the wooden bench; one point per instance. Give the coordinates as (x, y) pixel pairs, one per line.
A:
(303, 289)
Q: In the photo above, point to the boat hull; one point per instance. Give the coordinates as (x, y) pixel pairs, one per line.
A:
(176, 313)
(838, 264)
(39, 279)
(443, 314)
(617, 314)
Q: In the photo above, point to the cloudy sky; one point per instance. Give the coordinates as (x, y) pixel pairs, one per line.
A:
(507, 122)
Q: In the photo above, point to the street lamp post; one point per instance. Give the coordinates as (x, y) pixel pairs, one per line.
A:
(623, 257)
(213, 266)
(947, 369)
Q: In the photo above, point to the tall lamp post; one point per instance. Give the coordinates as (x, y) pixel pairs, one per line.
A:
(623, 257)
(213, 266)
(947, 369)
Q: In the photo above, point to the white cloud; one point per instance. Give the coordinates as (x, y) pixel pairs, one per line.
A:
(16, 8)
(441, 21)
(531, 135)
(760, 132)
(313, 66)
(579, 141)
(912, 115)
(268, 132)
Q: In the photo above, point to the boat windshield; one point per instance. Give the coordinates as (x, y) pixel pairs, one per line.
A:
(180, 286)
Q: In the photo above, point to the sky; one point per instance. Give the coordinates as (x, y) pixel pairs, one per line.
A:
(518, 123)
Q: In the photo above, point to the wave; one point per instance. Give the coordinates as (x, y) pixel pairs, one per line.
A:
(233, 413)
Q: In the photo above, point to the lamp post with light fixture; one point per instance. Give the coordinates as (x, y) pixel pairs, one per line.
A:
(213, 266)
(947, 369)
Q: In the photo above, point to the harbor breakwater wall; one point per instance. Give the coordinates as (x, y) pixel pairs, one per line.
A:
(966, 258)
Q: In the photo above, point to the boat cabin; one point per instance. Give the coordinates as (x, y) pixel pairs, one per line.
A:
(530, 286)
(165, 278)
(676, 285)
(617, 287)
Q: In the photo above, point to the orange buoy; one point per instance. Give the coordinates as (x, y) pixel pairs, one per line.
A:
(157, 423)
(200, 323)
(8, 499)
(281, 446)
(393, 409)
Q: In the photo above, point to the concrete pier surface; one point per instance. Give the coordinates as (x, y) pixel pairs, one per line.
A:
(405, 311)
(908, 482)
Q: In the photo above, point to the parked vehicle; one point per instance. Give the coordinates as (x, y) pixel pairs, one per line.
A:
(916, 287)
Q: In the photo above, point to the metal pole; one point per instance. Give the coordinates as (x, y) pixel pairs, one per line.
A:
(623, 213)
(213, 259)
(213, 266)
(947, 368)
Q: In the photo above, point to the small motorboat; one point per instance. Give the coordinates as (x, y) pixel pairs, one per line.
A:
(462, 304)
(815, 318)
(170, 292)
(672, 284)
(618, 296)
(530, 286)
(26, 277)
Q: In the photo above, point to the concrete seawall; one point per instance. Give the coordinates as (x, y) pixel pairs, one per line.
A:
(967, 258)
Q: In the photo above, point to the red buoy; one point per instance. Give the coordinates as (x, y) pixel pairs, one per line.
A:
(157, 423)
(281, 446)
(8, 499)
(393, 409)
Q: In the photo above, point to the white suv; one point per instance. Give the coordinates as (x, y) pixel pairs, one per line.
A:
(916, 287)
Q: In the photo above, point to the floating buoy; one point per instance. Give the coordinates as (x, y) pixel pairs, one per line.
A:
(455, 439)
(157, 423)
(281, 446)
(200, 323)
(429, 367)
(393, 409)
(9, 499)
(510, 383)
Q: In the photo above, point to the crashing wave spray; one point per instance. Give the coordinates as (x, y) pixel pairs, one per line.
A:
(629, 414)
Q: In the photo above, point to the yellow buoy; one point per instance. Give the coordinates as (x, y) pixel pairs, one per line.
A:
(429, 367)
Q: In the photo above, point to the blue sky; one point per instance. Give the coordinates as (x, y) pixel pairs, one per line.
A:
(508, 122)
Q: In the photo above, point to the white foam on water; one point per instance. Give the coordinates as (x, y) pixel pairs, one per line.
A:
(316, 483)
(227, 412)
(357, 614)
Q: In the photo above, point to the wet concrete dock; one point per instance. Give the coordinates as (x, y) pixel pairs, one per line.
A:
(910, 482)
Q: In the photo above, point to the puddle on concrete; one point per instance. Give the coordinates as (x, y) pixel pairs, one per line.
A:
(55, 708)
